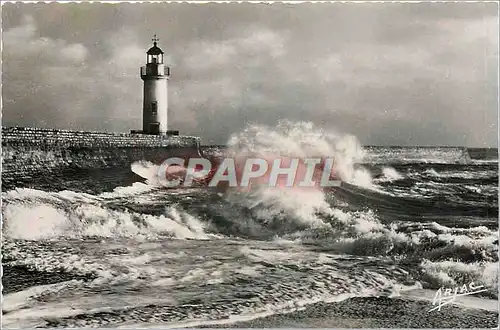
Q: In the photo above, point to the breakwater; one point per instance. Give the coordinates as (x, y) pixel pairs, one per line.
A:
(28, 153)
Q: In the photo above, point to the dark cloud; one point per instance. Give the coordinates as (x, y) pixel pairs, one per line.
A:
(389, 73)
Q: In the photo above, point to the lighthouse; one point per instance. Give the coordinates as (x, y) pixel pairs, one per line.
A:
(155, 75)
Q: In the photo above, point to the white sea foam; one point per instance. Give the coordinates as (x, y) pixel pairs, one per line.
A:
(136, 278)
(454, 173)
(33, 215)
(303, 140)
(128, 191)
(148, 171)
(135, 266)
(455, 273)
(427, 155)
(390, 174)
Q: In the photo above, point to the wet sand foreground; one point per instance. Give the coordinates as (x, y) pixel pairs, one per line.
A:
(376, 312)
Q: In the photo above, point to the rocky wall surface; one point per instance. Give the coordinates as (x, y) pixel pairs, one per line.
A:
(28, 152)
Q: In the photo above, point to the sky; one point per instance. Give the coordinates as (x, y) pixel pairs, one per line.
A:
(388, 73)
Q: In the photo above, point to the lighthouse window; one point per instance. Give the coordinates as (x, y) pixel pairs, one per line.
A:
(154, 107)
(156, 59)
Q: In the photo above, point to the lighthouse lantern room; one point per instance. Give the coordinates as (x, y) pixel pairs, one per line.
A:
(155, 75)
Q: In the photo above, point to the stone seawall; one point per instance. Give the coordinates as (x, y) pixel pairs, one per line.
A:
(29, 152)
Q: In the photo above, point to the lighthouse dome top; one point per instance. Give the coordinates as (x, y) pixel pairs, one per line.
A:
(155, 50)
(155, 54)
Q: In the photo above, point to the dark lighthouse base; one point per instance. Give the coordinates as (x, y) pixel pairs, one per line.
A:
(169, 132)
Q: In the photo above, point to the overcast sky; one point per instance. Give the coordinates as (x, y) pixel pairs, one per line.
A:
(390, 74)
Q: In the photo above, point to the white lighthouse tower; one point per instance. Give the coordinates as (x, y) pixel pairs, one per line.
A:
(155, 75)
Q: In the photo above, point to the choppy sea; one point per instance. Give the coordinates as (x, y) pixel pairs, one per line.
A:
(110, 248)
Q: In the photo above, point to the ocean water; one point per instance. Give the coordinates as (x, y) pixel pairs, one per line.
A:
(111, 248)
